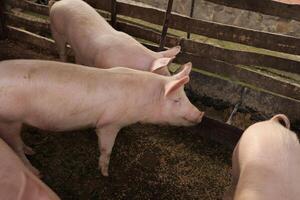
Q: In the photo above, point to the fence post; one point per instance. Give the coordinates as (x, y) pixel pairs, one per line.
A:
(2, 21)
(113, 13)
(191, 15)
(165, 26)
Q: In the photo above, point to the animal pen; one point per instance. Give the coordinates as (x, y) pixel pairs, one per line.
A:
(239, 76)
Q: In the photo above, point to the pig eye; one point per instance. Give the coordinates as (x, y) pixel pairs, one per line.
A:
(177, 100)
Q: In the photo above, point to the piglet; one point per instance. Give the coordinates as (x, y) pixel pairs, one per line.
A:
(58, 96)
(97, 44)
(266, 163)
(17, 182)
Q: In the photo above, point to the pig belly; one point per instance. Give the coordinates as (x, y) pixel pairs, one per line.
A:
(59, 116)
(50, 111)
(58, 124)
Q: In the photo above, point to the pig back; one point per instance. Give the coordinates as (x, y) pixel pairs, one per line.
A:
(51, 95)
(267, 155)
(77, 18)
(59, 96)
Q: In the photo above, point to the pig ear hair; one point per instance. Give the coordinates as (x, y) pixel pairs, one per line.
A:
(282, 118)
(185, 70)
(175, 84)
(160, 63)
(171, 52)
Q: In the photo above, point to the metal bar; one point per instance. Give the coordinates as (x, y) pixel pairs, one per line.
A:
(191, 15)
(166, 25)
(3, 34)
(113, 13)
(237, 106)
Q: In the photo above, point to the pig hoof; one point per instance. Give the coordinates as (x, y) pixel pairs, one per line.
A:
(105, 174)
(35, 171)
(104, 170)
(28, 150)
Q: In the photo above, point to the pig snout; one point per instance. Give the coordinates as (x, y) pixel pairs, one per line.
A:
(194, 117)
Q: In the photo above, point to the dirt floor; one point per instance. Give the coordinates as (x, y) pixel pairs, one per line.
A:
(148, 162)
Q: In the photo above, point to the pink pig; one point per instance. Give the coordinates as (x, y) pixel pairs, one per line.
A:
(266, 163)
(97, 44)
(59, 96)
(17, 182)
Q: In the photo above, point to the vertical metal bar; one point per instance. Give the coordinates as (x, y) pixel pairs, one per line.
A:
(113, 13)
(237, 106)
(2, 21)
(165, 26)
(191, 15)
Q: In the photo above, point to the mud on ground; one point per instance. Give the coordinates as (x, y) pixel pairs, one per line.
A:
(147, 162)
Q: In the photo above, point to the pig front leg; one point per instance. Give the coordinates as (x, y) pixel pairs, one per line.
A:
(61, 44)
(11, 134)
(106, 139)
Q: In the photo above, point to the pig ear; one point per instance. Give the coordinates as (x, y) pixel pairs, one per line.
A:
(171, 52)
(175, 84)
(160, 63)
(282, 118)
(186, 70)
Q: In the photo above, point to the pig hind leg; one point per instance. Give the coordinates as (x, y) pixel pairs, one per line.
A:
(61, 44)
(106, 140)
(11, 134)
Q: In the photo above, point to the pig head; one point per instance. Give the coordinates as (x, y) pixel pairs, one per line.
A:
(17, 182)
(266, 162)
(95, 43)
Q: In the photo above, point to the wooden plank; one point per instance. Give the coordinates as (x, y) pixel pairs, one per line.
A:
(204, 59)
(30, 6)
(240, 57)
(267, 7)
(250, 37)
(243, 74)
(31, 38)
(35, 25)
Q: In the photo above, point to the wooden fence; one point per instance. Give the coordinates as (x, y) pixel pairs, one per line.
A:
(219, 73)
(267, 7)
